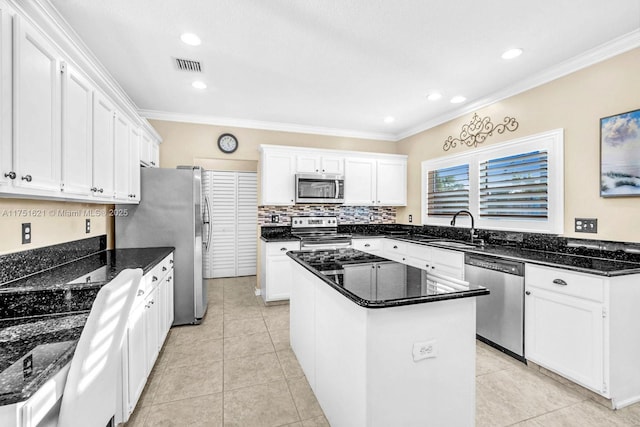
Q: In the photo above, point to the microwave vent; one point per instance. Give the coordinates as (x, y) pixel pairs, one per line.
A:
(188, 65)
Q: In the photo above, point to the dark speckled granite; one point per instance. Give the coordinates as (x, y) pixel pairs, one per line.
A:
(42, 315)
(277, 234)
(21, 264)
(404, 285)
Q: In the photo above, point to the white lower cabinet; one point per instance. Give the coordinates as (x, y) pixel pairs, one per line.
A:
(149, 323)
(275, 270)
(447, 263)
(585, 328)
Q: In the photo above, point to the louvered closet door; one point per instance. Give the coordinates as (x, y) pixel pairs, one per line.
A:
(223, 224)
(247, 223)
(234, 216)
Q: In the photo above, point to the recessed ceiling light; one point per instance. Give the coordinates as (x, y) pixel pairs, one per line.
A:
(389, 119)
(199, 85)
(512, 53)
(458, 99)
(434, 96)
(190, 39)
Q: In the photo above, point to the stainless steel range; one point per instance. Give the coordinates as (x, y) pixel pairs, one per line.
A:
(319, 232)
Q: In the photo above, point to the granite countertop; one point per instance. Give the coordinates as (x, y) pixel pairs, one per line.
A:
(348, 271)
(42, 316)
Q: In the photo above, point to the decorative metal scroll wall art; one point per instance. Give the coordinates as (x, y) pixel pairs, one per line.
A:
(477, 130)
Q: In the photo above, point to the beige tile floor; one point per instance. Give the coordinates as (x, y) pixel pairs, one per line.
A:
(237, 369)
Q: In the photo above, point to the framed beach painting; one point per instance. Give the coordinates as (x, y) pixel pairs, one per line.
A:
(620, 155)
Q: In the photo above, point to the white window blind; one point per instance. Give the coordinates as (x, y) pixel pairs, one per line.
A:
(448, 190)
(514, 186)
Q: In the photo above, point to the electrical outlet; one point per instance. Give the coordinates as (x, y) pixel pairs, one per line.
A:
(87, 225)
(586, 225)
(26, 233)
(424, 350)
(275, 218)
(370, 217)
(410, 218)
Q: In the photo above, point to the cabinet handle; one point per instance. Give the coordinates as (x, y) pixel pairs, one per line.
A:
(373, 266)
(164, 268)
(395, 247)
(27, 178)
(427, 265)
(94, 189)
(151, 302)
(527, 293)
(140, 292)
(101, 190)
(367, 245)
(169, 279)
(559, 282)
(433, 267)
(283, 249)
(154, 279)
(153, 163)
(10, 175)
(404, 259)
(170, 261)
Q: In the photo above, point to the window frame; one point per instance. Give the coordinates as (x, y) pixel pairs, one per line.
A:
(551, 141)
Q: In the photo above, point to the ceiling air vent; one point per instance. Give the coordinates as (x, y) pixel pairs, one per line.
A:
(188, 65)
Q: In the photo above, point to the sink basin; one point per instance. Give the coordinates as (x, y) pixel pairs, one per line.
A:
(451, 244)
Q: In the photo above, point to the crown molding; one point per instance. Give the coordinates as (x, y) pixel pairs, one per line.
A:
(600, 53)
(262, 125)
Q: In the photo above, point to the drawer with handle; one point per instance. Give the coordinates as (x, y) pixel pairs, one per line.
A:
(571, 283)
(367, 245)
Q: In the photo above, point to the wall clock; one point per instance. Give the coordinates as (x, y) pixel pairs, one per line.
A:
(227, 143)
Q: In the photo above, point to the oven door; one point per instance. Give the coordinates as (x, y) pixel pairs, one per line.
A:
(323, 188)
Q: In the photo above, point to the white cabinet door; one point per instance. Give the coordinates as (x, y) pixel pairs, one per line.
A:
(152, 325)
(278, 184)
(103, 151)
(77, 125)
(307, 163)
(359, 182)
(121, 135)
(6, 105)
(565, 334)
(332, 164)
(37, 105)
(278, 278)
(392, 182)
(155, 155)
(134, 164)
(145, 149)
(169, 307)
(136, 356)
(447, 263)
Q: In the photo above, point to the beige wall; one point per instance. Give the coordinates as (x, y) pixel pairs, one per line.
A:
(51, 223)
(576, 103)
(189, 143)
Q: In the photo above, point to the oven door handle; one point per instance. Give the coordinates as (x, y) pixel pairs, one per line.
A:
(337, 189)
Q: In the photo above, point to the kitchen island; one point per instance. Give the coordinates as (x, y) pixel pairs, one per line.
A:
(382, 343)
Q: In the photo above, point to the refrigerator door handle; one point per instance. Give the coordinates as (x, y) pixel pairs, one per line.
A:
(206, 221)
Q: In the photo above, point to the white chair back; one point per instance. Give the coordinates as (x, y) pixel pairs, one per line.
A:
(89, 397)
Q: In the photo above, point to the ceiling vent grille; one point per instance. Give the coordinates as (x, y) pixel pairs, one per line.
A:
(188, 65)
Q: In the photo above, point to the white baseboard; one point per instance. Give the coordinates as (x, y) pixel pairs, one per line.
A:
(619, 404)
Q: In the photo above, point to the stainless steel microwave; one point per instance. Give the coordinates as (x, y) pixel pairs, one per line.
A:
(319, 188)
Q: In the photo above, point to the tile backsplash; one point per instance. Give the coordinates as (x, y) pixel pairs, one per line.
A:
(345, 214)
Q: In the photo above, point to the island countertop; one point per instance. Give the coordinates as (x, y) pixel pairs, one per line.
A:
(349, 272)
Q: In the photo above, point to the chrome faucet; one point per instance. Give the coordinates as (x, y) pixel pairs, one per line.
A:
(473, 228)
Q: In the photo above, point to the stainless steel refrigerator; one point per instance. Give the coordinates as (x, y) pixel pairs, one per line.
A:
(170, 214)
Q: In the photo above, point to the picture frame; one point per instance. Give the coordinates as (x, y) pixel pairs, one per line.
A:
(620, 155)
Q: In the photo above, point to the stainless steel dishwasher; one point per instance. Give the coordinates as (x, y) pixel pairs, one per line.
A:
(499, 315)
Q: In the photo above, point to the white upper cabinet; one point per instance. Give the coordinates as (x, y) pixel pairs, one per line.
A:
(36, 108)
(155, 155)
(391, 185)
(277, 178)
(134, 164)
(359, 181)
(103, 150)
(6, 161)
(121, 137)
(314, 163)
(149, 151)
(77, 125)
(60, 136)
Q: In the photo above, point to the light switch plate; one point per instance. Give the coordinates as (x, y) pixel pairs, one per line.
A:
(26, 233)
(275, 218)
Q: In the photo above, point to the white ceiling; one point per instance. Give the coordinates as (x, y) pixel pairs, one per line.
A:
(337, 66)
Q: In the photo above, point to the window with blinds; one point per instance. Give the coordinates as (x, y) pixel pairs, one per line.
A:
(514, 187)
(448, 190)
